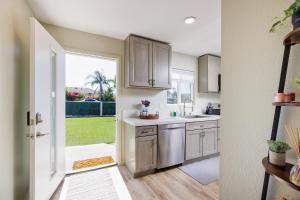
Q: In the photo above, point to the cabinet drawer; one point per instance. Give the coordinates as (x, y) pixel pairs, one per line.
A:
(145, 130)
(201, 125)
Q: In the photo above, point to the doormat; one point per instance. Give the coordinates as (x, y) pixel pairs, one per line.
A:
(92, 162)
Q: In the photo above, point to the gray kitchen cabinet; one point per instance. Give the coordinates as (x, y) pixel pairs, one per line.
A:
(140, 149)
(201, 139)
(219, 136)
(140, 62)
(161, 61)
(210, 141)
(194, 144)
(209, 70)
(219, 140)
(147, 63)
(146, 153)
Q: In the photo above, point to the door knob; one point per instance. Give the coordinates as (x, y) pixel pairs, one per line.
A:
(40, 134)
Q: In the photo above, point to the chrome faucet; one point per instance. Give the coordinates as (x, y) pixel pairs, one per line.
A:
(184, 107)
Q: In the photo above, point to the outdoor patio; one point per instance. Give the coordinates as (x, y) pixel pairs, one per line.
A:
(83, 152)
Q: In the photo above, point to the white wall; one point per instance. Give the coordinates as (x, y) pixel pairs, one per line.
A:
(251, 63)
(14, 101)
(128, 98)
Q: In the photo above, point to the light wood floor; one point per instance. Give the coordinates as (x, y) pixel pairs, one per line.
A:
(170, 184)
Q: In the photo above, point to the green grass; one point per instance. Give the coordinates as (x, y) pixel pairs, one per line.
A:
(90, 130)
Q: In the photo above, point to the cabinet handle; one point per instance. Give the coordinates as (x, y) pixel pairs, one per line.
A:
(147, 130)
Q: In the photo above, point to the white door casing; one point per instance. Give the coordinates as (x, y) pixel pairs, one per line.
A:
(47, 97)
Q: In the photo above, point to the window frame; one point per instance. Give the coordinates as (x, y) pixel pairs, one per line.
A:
(179, 82)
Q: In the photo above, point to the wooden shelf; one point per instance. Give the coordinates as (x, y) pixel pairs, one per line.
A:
(292, 37)
(287, 104)
(280, 173)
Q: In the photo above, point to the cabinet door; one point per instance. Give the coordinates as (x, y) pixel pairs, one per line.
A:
(210, 141)
(218, 140)
(213, 72)
(140, 62)
(193, 144)
(146, 153)
(161, 65)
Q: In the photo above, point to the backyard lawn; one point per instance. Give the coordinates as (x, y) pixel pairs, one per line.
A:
(90, 130)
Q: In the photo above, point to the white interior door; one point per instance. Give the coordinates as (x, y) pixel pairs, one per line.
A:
(47, 112)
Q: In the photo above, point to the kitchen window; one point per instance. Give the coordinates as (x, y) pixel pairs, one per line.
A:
(182, 89)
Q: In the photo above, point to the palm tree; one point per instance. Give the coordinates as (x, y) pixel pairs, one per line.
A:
(98, 79)
(112, 83)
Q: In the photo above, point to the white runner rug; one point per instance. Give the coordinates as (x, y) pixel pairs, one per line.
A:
(102, 184)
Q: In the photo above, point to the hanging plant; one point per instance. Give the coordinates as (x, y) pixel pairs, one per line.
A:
(292, 11)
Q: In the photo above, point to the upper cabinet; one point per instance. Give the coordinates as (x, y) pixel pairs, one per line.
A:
(148, 63)
(209, 74)
(161, 65)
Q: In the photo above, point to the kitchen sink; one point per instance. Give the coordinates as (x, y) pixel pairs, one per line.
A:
(195, 116)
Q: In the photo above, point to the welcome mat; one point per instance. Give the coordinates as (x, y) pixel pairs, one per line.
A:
(92, 162)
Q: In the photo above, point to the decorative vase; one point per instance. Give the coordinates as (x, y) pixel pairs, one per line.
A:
(277, 158)
(296, 19)
(144, 111)
(295, 174)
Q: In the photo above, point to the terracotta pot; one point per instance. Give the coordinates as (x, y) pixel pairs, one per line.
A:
(279, 97)
(288, 97)
(277, 158)
(284, 97)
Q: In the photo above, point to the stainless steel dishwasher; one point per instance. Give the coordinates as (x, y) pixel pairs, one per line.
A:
(171, 145)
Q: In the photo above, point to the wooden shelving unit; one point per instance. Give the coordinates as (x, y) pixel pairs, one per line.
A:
(281, 174)
(286, 104)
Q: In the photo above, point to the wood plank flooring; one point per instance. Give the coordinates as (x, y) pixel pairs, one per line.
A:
(171, 184)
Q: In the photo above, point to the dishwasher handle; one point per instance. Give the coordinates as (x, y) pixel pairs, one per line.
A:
(171, 126)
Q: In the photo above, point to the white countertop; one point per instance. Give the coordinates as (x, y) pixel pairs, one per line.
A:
(168, 120)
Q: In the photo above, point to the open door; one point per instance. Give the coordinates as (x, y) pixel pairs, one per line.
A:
(47, 112)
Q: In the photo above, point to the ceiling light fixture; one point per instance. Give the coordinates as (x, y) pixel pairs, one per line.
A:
(189, 20)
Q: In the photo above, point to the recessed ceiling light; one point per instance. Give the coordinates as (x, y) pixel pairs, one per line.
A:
(189, 20)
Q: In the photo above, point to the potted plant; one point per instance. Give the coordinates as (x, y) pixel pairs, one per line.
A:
(292, 11)
(277, 151)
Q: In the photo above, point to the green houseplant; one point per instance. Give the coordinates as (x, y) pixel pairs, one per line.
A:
(277, 150)
(292, 11)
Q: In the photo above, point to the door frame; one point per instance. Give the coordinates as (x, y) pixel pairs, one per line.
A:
(118, 60)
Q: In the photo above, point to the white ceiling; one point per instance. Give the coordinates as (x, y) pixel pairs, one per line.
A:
(158, 19)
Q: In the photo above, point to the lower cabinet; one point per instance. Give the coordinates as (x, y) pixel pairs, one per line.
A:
(219, 140)
(140, 149)
(146, 153)
(203, 141)
(210, 141)
(194, 144)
